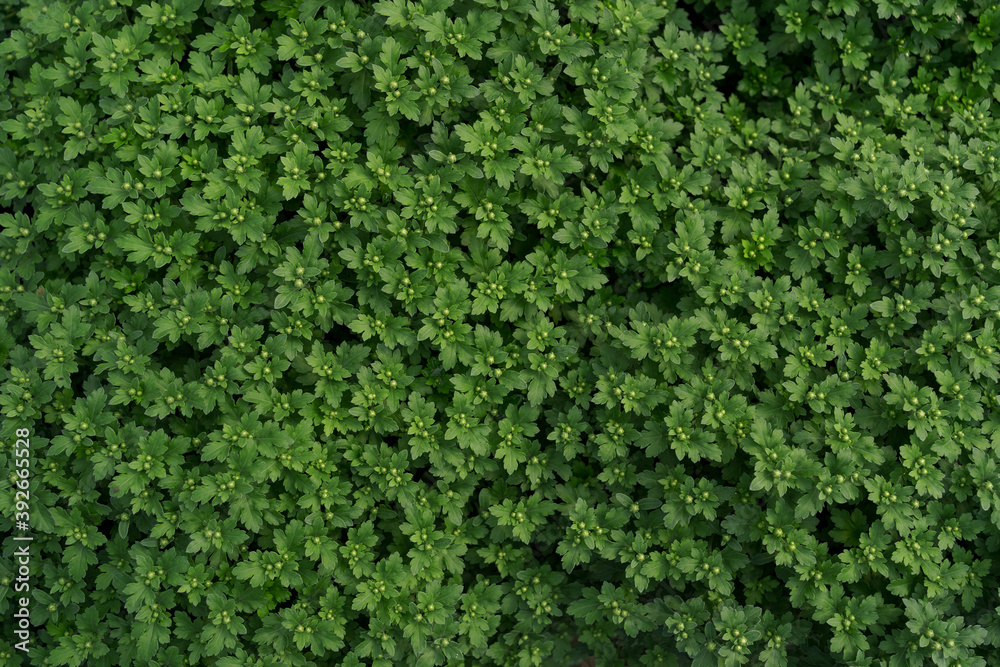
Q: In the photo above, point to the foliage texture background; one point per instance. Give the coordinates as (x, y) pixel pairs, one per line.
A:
(503, 332)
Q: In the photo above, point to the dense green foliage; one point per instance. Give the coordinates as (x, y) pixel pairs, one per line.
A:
(502, 332)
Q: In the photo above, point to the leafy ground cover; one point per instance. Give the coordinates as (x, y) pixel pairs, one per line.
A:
(502, 332)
